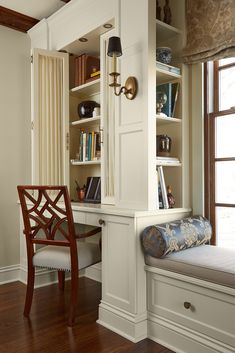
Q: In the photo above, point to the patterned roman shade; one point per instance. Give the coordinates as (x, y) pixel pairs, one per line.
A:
(210, 26)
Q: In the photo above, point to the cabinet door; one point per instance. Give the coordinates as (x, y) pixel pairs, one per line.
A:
(50, 124)
(119, 262)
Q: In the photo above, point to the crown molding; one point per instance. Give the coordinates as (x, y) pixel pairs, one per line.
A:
(16, 20)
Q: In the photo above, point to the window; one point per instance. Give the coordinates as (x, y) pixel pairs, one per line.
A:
(220, 150)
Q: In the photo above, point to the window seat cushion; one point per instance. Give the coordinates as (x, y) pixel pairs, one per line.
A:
(206, 262)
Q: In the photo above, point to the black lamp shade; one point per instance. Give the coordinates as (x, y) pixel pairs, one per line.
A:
(114, 47)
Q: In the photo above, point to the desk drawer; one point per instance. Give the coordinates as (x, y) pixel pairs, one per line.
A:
(198, 308)
(79, 217)
(93, 219)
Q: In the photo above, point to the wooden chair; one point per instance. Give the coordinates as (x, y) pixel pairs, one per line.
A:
(48, 221)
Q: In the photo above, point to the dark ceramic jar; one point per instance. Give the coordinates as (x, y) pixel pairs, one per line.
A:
(85, 109)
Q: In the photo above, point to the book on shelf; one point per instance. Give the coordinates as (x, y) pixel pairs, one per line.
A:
(167, 160)
(168, 68)
(89, 146)
(171, 90)
(87, 68)
(163, 191)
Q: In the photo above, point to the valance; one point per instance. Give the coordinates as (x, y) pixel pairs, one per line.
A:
(210, 27)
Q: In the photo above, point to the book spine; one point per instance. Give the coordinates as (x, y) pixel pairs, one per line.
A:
(92, 145)
(84, 147)
(80, 146)
(163, 188)
(83, 80)
(79, 70)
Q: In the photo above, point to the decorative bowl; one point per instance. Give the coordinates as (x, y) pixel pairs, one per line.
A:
(164, 55)
(85, 109)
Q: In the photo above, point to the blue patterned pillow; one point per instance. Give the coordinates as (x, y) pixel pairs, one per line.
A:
(162, 239)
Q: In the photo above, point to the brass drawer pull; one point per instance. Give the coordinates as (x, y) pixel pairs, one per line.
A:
(101, 222)
(187, 305)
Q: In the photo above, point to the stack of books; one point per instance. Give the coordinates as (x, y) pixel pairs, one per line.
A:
(89, 146)
(167, 161)
(87, 68)
(168, 68)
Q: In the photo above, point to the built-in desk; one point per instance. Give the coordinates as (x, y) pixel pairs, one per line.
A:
(123, 305)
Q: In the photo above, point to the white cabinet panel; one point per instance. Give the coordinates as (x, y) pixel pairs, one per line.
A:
(118, 258)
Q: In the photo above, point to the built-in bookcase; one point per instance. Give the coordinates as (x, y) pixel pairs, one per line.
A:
(173, 36)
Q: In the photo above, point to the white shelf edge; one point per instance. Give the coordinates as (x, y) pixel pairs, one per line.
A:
(86, 162)
(169, 27)
(168, 119)
(85, 86)
(165, 164)
(85, 121)
(168, 73)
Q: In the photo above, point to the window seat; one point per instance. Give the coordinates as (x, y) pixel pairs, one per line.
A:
(206, 262)
(190, 293)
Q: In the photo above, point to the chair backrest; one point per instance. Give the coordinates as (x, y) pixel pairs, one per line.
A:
(46, 213)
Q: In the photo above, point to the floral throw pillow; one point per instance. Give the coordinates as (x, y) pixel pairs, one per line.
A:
(162, 239)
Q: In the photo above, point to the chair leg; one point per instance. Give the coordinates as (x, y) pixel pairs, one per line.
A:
(73, 298)
(61, 277)
(29, 291)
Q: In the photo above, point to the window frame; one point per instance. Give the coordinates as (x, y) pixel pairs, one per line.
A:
(209, 141)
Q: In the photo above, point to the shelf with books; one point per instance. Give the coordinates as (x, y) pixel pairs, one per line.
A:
(165, 31)
(88, 89)
(86, 122)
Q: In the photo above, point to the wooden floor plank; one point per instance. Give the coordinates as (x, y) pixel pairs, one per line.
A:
(46, 331)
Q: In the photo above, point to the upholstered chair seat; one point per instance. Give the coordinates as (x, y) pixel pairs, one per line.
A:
(58, 257)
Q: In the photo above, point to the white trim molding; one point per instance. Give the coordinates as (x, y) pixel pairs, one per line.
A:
(9, 274)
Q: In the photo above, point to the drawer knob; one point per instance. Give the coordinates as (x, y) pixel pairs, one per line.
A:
(101, 222)
(187, 305)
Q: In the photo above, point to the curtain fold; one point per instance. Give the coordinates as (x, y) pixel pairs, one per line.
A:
(210, 28)
(50, 99)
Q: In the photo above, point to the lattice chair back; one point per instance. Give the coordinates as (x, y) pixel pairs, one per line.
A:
(47, 215)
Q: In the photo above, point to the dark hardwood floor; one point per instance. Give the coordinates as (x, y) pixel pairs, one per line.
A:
(46, 331)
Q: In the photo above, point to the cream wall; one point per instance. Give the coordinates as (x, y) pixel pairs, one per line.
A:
(14, 138)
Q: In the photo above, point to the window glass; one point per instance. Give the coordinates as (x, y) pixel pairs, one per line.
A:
(226, 61)
(225, 182)
(225, 227)
(224, 136)
(226, 88)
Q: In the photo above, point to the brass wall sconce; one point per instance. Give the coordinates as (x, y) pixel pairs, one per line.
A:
(131, 86)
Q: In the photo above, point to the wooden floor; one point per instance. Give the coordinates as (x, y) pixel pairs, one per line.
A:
(47, 332)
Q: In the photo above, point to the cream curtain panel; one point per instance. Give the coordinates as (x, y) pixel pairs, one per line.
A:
(50, 100)
(210, 28)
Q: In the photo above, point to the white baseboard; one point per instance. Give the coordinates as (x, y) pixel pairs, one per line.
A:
(181, 339)
(94, 272)
(43, 277)
(132, 327)
(9, 274)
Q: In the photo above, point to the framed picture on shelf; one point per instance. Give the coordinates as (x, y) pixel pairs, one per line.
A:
(171, 90)
(93, 190)
(162, 191)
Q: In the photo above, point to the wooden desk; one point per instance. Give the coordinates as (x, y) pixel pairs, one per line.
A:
(123, 305)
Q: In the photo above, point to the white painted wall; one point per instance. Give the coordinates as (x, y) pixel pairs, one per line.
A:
(14, 137)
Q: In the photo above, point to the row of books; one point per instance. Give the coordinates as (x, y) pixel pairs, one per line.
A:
(162, 191)
(167, 161)
(87, 68)
(89, 146)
